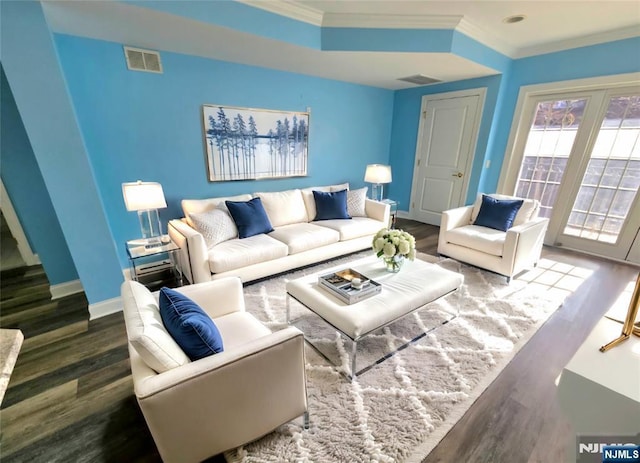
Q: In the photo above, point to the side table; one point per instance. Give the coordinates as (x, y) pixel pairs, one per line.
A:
(394, 211)
(148, 260)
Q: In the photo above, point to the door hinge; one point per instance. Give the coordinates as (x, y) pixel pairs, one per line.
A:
(424, 114)
(413, 205)
(419, 161)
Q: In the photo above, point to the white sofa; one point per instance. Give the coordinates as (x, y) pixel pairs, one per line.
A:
(297, 240)
(507, 253)
(198, 409)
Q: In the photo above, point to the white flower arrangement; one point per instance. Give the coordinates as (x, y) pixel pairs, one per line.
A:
(389, 243)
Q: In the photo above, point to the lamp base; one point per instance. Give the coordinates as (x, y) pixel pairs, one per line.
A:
(377, 191)
(150, 225)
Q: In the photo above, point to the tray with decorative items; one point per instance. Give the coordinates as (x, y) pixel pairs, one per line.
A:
(349, 286)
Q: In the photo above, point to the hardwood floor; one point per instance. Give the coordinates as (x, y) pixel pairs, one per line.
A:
(70, 398)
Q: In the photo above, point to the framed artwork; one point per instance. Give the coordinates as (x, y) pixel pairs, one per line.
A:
(252, 144)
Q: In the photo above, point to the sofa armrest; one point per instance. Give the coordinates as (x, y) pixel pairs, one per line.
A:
(455, 218)
(225, 400)
(193, 251)
(217, 297)
(523, 243)
(377, 210)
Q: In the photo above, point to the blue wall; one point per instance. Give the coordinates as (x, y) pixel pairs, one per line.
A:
(146, 126)
(612, 58)
(33, 205)
(406, 117)
(49, 119)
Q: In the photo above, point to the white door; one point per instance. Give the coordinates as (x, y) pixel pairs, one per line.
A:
(447, 136)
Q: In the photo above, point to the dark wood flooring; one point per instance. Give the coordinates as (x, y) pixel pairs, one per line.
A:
(70, 397)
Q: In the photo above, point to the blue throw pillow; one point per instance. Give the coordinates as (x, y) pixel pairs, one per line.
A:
(189, 325)
(498, 213)
(250, 217)
(331, 205)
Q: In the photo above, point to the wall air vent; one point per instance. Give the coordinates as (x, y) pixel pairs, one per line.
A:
(419, 79)
(143, 60)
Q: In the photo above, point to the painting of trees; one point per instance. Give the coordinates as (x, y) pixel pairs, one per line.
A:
(243, 144)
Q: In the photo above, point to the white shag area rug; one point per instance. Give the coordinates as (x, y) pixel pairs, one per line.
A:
(399, 410)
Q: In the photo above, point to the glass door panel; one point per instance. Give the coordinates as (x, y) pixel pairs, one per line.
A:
(549, 144)
(610, 182)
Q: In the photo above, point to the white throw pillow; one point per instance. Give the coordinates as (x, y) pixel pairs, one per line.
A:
(193, 206)
(356, 202)
(215, 226)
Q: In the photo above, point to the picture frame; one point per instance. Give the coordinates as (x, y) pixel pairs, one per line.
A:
(254, 144)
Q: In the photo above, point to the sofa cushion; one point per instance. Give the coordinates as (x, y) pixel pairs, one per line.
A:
(238, 253)
(189, 325)
(215, 226)
(190, 206)
(529, 210)
(332, 205)
(239, 328)
(145, 330)
(356, 200)
(301, 237)
(310, 202)
(487, 240)
(284, 207)
(497, 213)
(354, 228)
(250, 217)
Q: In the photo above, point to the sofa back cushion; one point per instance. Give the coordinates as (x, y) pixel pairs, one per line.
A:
(191, 206)
(529, 210)
(145, 330)
(284, 207)
(310, 202)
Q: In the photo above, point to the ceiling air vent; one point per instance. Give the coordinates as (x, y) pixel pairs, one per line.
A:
(143, 60)
(420, 79)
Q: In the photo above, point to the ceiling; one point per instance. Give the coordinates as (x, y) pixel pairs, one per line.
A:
(549, 26)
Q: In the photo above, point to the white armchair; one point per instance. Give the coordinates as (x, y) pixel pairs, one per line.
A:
(507, 253)
(198, 409)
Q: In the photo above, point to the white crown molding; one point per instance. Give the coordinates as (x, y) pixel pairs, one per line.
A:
(486, 38)
(593, 39)
(65, 289)
(391, 21)
(289, 9)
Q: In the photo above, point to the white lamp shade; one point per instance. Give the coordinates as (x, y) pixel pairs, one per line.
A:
(378, 173)
(140, 196)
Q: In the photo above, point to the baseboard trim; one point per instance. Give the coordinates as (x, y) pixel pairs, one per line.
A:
(403, 214)
(65, 289)
(104, 308)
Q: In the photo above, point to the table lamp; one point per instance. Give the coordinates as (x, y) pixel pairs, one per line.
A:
(145, 198)
(377, 175)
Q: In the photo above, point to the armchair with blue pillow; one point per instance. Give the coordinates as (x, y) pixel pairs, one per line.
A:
(499, 233)
(208, 376)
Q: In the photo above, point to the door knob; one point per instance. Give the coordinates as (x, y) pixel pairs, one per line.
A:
(459, 175)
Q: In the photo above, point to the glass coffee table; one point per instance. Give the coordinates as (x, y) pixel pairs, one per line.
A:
(418, 284)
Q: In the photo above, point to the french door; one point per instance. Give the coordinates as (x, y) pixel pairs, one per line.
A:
(581, 159)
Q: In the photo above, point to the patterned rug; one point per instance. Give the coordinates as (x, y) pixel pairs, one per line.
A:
(400, 409)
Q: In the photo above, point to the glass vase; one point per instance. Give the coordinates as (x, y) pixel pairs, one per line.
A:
(393, 264)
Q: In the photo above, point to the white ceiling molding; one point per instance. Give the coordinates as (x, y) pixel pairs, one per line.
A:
(486, 38)
(593, 39)
(395, 21)
(290, 10)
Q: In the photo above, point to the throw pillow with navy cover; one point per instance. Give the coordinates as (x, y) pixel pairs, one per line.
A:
(250, 217)
(498, 214)
(189, 325)
(332, 205)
